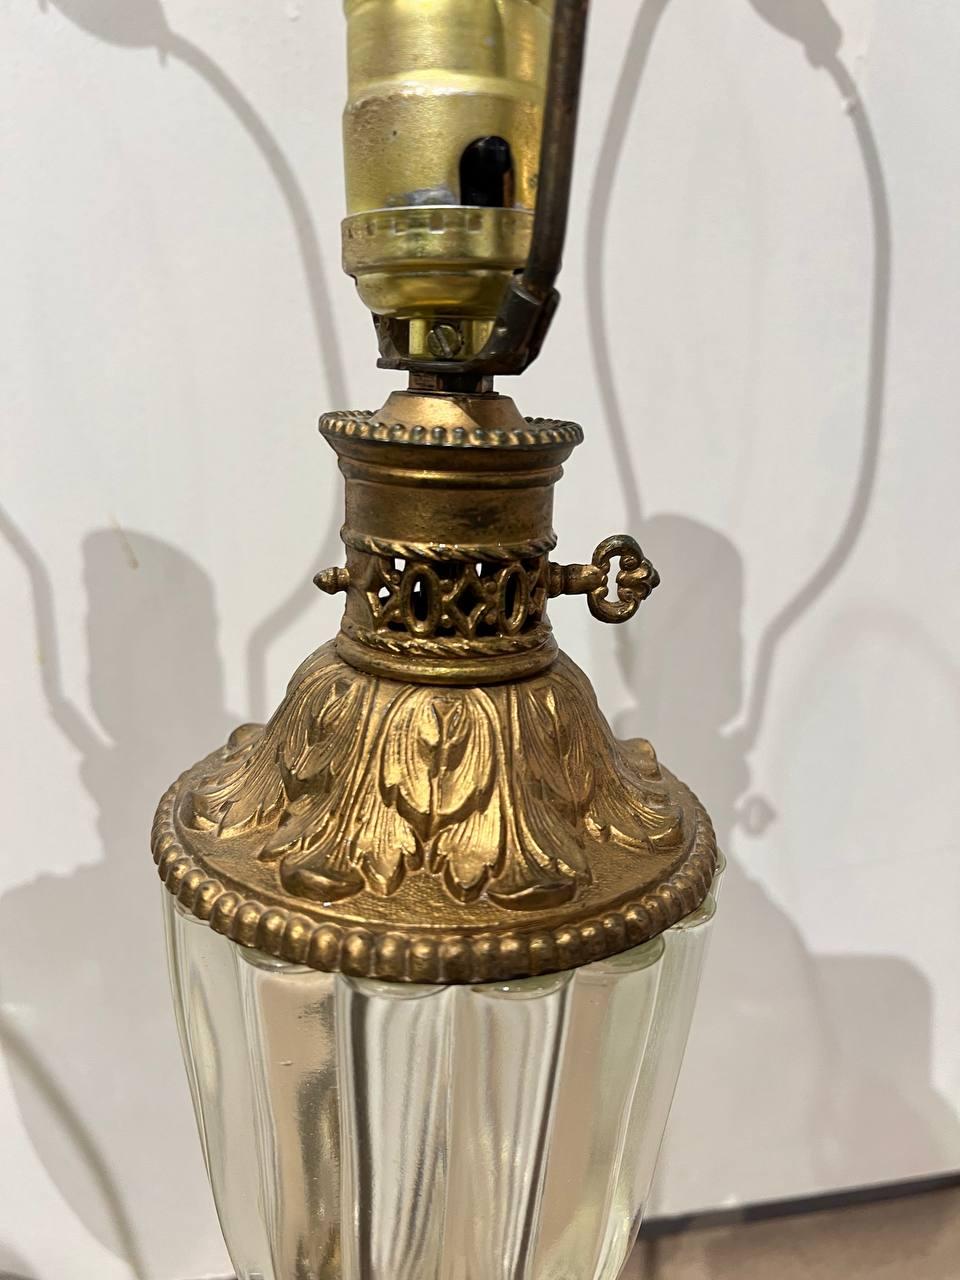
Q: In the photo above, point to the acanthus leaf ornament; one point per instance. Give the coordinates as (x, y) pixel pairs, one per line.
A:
(358, 783)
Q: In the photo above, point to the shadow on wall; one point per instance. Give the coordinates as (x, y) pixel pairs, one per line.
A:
(97, 1048)
(142, 24)
(685, 669)
(851, 1036)
(101, 1050)
(11, 1266)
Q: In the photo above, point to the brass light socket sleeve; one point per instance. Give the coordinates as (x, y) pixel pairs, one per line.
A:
(427, 78)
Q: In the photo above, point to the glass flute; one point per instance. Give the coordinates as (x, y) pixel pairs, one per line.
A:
(362, 1130)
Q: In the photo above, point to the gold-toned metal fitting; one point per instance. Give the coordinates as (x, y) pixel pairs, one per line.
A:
(425, 81)
(448, 533)
(438, 798)
(332, 581)
(453, 431)
(466, 605)
(442, 134)
(424, 263)
(635, 579)
(438, 835)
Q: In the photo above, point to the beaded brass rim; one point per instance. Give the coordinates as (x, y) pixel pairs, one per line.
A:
(433, 956)
(364, 425)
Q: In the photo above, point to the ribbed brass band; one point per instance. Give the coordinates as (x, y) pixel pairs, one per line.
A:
(448, 662)
(441, 260)
(489, 551)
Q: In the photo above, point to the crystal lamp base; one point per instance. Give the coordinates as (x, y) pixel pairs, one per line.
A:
(361, 1130)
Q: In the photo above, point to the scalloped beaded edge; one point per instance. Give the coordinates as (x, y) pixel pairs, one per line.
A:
(539, 432)
(398, 956)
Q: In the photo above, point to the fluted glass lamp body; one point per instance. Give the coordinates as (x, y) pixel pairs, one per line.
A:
(361, 1130)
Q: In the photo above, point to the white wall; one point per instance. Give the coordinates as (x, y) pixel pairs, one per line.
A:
(762, 295)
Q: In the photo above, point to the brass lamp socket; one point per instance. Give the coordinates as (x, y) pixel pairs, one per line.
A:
(442, 133)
